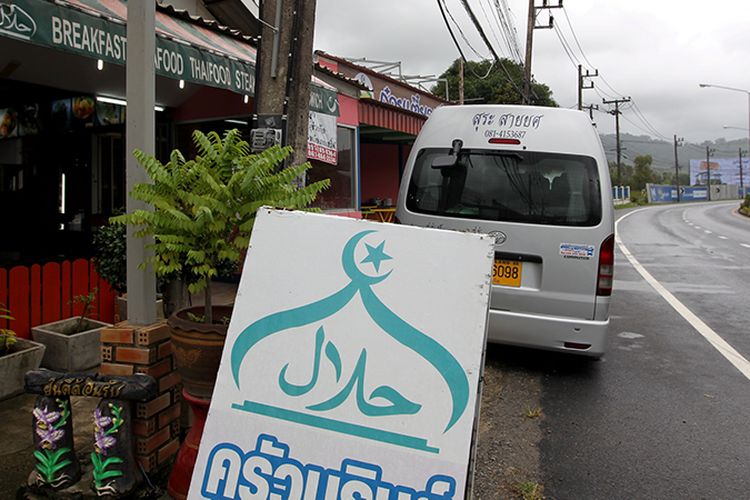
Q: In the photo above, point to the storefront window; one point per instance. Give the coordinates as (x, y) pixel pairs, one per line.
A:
(341, 194)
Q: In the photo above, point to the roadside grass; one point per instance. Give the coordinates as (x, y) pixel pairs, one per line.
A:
(533, 413)
(529, 490)
(628, 205)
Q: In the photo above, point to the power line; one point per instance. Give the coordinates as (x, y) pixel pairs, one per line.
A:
(509, 31)
(489, 24)
(489, 45)
(461, 32)
(566, 47)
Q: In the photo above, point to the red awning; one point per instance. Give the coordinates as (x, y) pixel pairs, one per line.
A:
(390, 117)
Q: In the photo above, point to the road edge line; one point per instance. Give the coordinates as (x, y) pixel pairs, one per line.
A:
(713, 338)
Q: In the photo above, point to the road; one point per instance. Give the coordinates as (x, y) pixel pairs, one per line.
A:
(665, 414)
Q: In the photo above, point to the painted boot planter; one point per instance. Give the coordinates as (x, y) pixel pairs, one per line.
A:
(72, 344)
(115, 471)
(197, 348)
(57, 465)
(113, 460)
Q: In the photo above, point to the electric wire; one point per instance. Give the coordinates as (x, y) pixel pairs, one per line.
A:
(461, 32)
(566, 48)
(490, 24)
(478, 27)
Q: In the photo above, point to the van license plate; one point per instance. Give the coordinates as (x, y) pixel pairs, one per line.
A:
(506, 273)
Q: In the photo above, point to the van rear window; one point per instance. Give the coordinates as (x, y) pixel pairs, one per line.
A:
(512, 186)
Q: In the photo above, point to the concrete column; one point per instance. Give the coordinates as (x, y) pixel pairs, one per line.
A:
(139, 134)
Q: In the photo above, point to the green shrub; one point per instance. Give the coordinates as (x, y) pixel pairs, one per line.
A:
(109, 254)
(204, 209)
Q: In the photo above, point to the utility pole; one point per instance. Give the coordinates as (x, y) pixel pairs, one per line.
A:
(530, 27)
(617, 113)
(460, 82)
(591, 108)
(709, 152)
(677, 142)
(582, 85)
(282, 90)
(742, 188)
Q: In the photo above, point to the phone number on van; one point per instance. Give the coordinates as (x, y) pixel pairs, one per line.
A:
(505, 134)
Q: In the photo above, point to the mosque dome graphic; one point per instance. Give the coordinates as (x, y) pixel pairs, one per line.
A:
(348, 386)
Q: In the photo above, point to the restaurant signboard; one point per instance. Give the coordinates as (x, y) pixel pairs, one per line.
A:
(352, 363)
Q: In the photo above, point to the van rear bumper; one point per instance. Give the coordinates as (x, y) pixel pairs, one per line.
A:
(548, 332)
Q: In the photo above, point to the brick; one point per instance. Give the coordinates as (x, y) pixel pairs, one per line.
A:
(169, 415)
(137, 355)
(156, 370)
(144, 427)
(153, 334)
(150, 408)
(169, 381)
(117, 335)
(174, 428)
(115, 369)
(106, 353)
(148, 462)
(167, 451)
(165, 349)
(146, 445)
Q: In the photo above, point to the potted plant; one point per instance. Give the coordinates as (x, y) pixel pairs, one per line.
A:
(73, 344)
(204, 210)
(109, 262)
(17, 356)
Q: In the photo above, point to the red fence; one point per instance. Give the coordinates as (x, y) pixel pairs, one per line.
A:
(44, 293)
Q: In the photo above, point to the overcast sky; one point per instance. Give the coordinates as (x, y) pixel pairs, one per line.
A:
(656, 52)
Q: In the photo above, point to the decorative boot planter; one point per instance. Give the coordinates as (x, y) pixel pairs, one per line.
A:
(25, 355)
(70, 352)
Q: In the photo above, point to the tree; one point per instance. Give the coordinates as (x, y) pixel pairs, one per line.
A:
(642, 172)
(496, 88)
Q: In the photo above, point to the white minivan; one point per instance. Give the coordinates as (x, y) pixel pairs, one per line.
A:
(537, 180)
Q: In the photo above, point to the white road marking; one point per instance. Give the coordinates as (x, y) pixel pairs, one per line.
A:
(723, 238)
(745, 245)
(713, 338)
(707, 231)
(696, 227)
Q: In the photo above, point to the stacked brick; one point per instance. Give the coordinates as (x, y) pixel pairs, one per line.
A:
(127, 350)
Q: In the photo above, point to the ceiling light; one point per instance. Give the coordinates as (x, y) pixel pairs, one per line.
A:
(121, 102)
(99, 64)
(236, 122)
(246, 99)
(182, 84)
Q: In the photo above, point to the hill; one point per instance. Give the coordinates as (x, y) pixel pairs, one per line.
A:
(662, 152)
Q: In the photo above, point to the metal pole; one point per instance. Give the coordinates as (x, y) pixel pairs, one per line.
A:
(676, 169)
(708, 173)
(580, 89)
(460, 82)
(741, 186)
(139, 134)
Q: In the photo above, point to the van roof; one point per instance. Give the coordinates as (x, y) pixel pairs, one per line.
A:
(536, 128)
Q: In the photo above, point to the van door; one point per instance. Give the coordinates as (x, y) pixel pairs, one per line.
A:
(544, 210)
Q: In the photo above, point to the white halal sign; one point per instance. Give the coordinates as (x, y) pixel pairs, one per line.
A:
(351, 365)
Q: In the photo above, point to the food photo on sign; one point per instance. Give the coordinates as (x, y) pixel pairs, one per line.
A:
(321, 138)
(353, 373)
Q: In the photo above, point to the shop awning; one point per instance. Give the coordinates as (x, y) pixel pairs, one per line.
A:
(189, 49)
(389, 117)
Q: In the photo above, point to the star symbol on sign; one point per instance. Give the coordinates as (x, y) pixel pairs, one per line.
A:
(375, 255)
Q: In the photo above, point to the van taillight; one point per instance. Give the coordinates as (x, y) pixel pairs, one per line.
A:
(606, 267)
(500, 140)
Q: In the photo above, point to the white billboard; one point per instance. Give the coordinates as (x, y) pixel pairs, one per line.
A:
(722, 171)
(352, 363)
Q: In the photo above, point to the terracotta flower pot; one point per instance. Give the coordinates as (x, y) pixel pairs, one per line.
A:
(197, 348)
